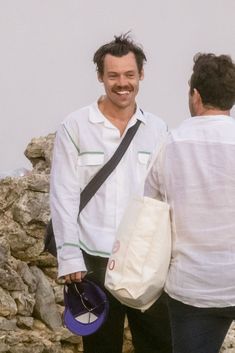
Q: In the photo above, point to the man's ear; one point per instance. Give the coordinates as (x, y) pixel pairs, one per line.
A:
(141, 74)
(196, 102)
(99, 76)
(196, 96)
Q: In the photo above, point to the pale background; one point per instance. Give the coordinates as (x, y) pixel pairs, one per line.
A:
(46, 68)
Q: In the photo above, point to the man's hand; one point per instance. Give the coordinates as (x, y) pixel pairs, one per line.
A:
(75, 277)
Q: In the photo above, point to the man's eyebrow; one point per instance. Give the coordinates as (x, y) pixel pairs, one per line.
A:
(117, 73)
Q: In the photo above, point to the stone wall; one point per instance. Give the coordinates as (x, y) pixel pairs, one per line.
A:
(31, 296)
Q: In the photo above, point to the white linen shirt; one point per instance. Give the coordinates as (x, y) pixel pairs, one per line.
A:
(84, 142)
(197, 172)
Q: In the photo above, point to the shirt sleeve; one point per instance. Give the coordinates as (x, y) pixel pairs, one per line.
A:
(64, 202)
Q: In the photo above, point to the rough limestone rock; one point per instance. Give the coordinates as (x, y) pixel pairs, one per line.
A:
(45, 306)
(31, 296)
(4, 250)
(8, 306)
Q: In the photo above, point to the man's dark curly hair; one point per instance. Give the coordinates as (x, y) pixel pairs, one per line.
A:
(214, 78)
(120, 46)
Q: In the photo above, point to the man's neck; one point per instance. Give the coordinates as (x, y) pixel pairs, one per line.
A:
(206, 111)
(119, 117)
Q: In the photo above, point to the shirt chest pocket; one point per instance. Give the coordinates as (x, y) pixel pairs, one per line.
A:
(143, 158)
(89, 163)
(142, 164)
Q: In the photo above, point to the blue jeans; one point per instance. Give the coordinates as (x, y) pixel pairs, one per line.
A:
(198, 330)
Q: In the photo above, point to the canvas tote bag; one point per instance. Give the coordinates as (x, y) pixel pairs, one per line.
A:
(138, 266)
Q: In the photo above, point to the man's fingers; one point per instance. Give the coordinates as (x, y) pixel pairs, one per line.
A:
(67, 279)
(83, 274)
(74, 277)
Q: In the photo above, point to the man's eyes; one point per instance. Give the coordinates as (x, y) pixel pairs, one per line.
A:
(129, 75)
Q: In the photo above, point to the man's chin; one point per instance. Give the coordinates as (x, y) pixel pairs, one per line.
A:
(124, 105)
(123, 102)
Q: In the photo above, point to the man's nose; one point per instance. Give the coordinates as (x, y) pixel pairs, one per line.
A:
(122, 81)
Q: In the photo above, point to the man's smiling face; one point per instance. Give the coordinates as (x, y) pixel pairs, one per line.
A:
(121, 79)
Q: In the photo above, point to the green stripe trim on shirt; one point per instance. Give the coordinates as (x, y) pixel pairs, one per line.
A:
(77, 148)
(68, 244)
(145, 152)
(90, 152)
(84, 247)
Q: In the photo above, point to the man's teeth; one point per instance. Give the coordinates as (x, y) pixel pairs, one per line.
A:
(123, 92)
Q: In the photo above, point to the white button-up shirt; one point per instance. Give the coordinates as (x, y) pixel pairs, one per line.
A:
(84, 142)
(197, 172)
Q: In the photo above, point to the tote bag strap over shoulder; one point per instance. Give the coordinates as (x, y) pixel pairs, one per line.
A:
(157, 157)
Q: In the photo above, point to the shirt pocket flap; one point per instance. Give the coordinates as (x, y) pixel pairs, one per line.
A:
(143, 157)
(91, 158)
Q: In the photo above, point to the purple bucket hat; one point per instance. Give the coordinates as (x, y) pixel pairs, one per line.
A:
(86, 307)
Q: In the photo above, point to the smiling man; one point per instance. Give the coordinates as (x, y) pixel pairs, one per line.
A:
(85, 141)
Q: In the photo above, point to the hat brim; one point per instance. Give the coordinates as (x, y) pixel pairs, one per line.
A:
(81, 328)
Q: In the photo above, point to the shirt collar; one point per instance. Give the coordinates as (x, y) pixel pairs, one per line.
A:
(140, 115)
(95, 115)
(206, 119)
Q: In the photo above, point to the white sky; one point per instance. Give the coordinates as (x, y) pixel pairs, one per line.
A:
(46, 68)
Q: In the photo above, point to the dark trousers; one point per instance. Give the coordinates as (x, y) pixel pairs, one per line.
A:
(150, 330)
(198, 330)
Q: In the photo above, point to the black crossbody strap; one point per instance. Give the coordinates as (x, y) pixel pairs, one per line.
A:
(93, 185)
(91, 188)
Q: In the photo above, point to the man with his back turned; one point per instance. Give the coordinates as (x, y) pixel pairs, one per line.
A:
(196, 171)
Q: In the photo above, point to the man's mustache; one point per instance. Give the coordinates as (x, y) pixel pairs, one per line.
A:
(122, 88)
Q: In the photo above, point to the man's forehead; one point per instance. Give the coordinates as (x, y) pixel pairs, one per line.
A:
(127, 61)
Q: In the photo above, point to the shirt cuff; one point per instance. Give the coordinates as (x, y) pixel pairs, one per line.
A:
(66, 267)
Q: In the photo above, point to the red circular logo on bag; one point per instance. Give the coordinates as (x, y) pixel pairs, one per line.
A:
(111, 265)
(116, 246)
